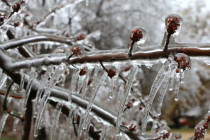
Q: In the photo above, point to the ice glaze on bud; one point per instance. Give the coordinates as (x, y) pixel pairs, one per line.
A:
(183, 61)
(173, 24)
(77, 50)
(16, 7)
(138, 35)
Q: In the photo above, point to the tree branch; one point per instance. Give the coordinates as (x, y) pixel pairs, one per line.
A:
(36, 38)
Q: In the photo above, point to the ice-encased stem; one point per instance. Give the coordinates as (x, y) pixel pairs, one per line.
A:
(154, 89)
(125, 97)
(2, 122)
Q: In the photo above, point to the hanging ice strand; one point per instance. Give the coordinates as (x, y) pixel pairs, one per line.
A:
(84, 121)
(159, 79)
(183, 62)
(122, 103)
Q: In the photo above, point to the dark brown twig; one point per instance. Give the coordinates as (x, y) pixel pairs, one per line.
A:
(130, 49)
(167, 42)
(104, 67)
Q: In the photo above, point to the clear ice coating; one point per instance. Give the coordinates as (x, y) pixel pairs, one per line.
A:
(125, 97)
(154, 89)
(99, 81)
(138, 35)
(173, 24)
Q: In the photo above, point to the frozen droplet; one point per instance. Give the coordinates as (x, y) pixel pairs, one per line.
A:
(3, 121)
(173, 24)
(138, 35)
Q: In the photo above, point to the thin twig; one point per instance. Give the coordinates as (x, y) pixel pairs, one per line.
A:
(104, 67)
(130, 49)
(5, 104)
(167, 42)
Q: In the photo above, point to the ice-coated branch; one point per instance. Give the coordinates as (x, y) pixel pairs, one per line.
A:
(35, 38)
(106, 57)
(59, 93)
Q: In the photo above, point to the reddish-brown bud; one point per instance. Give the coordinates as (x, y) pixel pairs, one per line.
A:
(16, 7)
(111, 73)
(77, 50)
(82, 72)
(80, 37)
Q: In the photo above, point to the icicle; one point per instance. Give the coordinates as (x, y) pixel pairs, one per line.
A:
(87, 128)
(98, 82)
(15, 123)
(181, 76)
(172, 80)
(41, 109)
(125, 97)
(74, 79)
(177, 86)
(154, 89)
(112, 84)
(68, 124)
(163, 91)
(22, 81)
(2, 122)
(28, 90)
(3, 80)
(85, 86)
(82, 81)
(56, 115)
